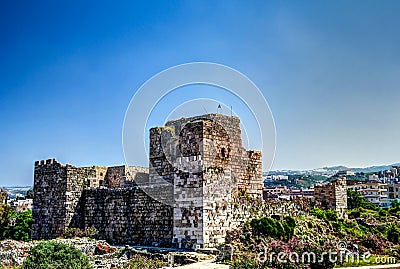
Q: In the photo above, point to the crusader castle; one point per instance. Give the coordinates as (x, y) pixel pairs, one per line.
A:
(186, 198)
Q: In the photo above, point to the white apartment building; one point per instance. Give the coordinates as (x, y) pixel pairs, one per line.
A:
(376, 193)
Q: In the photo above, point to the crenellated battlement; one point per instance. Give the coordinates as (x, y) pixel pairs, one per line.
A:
(45, 162)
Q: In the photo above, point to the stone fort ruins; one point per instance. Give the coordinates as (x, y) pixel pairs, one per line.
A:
(186, 198)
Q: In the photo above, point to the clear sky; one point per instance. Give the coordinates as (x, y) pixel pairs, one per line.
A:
(330, 71)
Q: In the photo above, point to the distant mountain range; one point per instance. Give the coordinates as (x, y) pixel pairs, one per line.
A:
(330, 171)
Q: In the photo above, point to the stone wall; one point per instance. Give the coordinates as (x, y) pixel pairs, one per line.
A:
(59, 193)
(332, 195)
(126, 216)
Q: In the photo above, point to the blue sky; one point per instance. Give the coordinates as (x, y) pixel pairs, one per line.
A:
(330, 71)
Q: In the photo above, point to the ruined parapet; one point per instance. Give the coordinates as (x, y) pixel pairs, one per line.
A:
(251, 184)
(332, 195)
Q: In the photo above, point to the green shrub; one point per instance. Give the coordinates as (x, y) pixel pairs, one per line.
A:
(54, 255)
(393, 233)
(23, 226)
(319, 213)
(141, 262)
(383, 213)
(328, 215)
(246, 261)
(274, 228)
(331, 215)
(90, 232)
(5, 214)
(355, 213)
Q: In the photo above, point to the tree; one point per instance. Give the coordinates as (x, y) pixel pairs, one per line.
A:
(29, 194)
(51, 254)
(5, 214)
(3, 196)
(395, 204)
(356, 200)
(23, 226)
(393, 233)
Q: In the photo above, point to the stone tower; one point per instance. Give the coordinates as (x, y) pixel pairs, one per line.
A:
(332, 195)
(204, 160)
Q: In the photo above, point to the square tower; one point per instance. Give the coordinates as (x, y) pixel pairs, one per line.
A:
(205, 165)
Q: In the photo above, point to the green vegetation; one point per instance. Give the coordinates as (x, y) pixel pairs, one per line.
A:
(3, 195)
(29, 194)
(5, 213)
(305, 181)
(368, 228)
(393, 233)
(23, 226)
(298, 181)
(90, 232)
(265, 226)
(51, 254)
(141, 262)
(356, 200)
(15, 225)
(328, 215)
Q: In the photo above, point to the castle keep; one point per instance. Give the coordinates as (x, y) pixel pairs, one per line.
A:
(197, 168)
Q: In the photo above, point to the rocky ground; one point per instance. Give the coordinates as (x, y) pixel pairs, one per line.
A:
(101, 254)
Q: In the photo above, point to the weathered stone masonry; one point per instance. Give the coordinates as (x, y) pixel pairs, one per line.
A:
(332, 195)
(197, 165)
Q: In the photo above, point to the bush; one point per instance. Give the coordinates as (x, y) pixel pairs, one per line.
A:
(246, 260)
(274, 228)
(23, 226)
(355, 213)
(331, 215)
(5, 214)
(383, 213)
(90, 232)
(328, 215)
(374, 243)
(141, 262)
(393, 233)
(54, 255)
